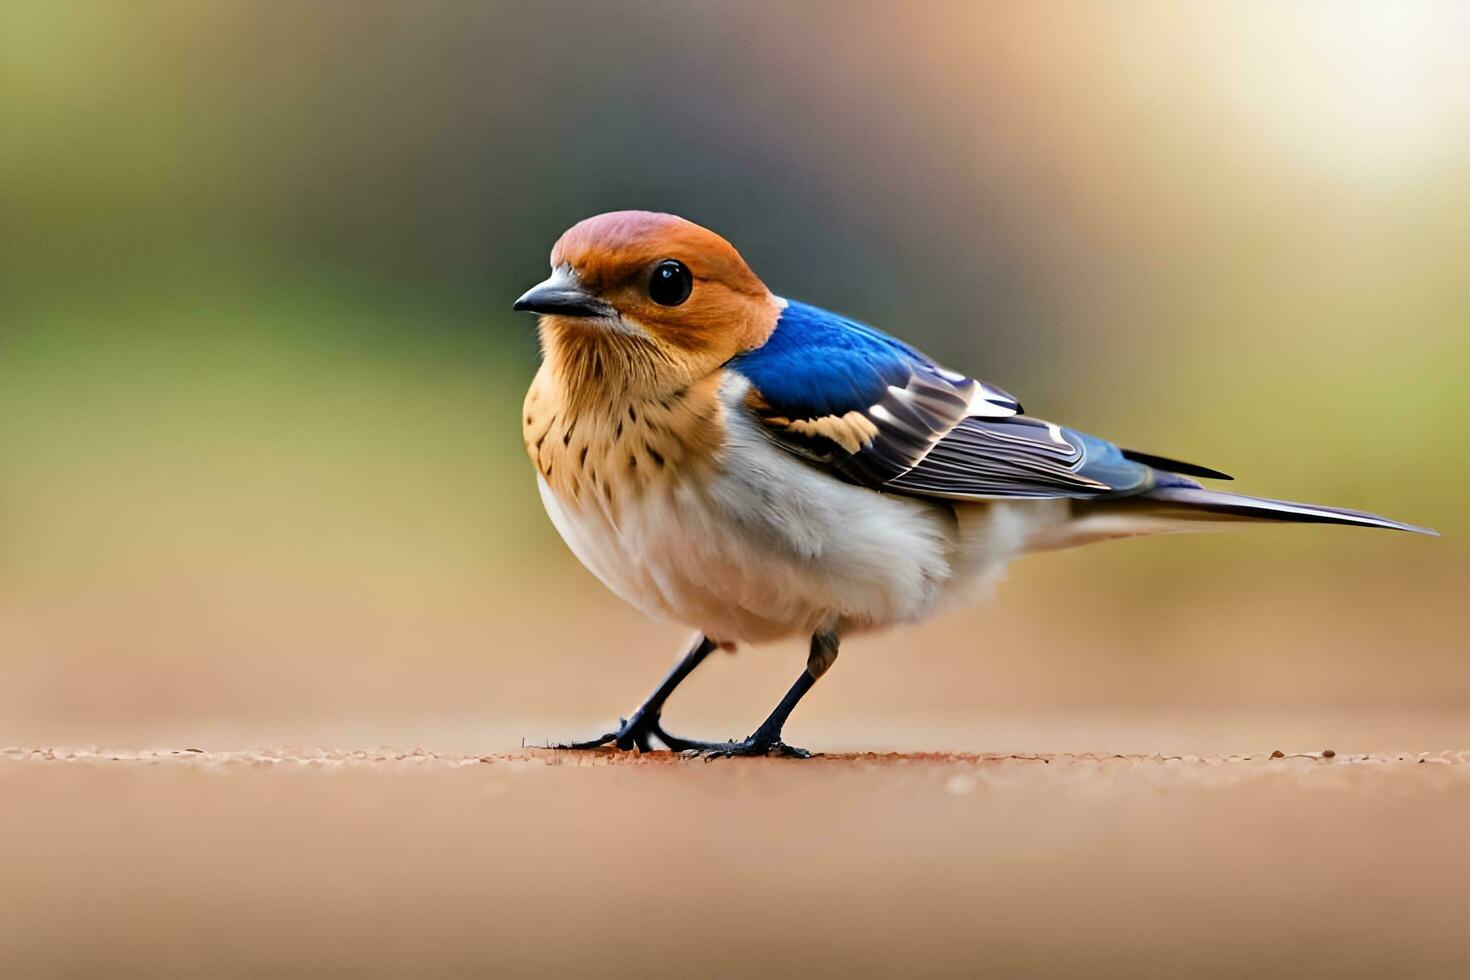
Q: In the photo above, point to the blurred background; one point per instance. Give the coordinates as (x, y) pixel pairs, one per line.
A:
(260, 465)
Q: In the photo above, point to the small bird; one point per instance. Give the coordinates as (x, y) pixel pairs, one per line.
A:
(757, 468)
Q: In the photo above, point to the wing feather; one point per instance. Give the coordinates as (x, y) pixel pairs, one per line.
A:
(818, 369)
(881, 414)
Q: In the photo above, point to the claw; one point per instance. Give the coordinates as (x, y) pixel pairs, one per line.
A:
(636, 735)
(746, 748)
(595, 743)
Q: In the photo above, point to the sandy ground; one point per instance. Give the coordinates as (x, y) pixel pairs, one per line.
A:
(269, 862)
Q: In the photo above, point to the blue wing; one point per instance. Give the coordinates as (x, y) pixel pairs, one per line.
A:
(838, 390)
(882, 414)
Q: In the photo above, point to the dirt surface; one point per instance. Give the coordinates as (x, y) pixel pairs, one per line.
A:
(396, 863)
(383, 758)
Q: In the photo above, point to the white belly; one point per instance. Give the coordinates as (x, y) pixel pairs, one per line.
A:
(774, 548)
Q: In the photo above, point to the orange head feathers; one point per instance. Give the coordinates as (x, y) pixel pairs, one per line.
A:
(648, 301)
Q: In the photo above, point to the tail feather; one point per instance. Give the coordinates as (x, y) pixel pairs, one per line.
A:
(1168, 465)
(1197, 503)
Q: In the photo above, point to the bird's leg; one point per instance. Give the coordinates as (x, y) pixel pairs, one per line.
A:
(767, 738)
(634, 731)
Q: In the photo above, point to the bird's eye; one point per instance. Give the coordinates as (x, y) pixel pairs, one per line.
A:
(670, 283)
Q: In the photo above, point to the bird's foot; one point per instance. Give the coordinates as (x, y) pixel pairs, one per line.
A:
(632, 733)
(755, 745)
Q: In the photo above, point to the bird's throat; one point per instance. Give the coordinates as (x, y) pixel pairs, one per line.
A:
(602, 450)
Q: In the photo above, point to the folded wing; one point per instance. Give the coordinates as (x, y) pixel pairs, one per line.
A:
(884, 415)
(1022, 457)
(878, 413)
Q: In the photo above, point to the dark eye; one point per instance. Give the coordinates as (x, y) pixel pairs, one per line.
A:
(670, 283)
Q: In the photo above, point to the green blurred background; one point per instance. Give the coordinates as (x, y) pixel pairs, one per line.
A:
(260, 464)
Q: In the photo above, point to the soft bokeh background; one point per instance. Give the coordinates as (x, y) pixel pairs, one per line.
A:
(260, 469)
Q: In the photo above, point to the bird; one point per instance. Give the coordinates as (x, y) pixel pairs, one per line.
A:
(757, 468)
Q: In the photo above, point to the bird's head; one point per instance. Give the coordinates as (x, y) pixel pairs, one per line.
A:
(645, 300)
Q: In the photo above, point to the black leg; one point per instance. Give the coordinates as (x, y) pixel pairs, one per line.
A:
(767, 738)
(634, 731)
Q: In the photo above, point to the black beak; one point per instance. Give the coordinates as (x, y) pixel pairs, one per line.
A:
(561, 296)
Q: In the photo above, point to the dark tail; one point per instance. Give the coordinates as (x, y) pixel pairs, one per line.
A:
(1199, 504)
